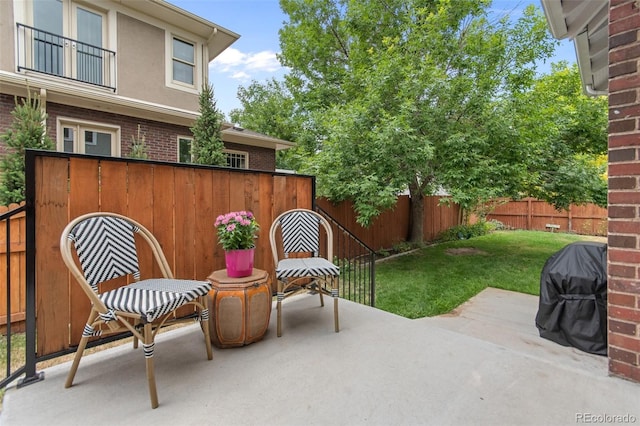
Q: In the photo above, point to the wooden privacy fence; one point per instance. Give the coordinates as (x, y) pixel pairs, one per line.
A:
(12, 268)
(392, 226)
(178, 203)
(533, 214)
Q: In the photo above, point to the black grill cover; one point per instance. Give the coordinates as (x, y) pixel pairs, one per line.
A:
(573, 297)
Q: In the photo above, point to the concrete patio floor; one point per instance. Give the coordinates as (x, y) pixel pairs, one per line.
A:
(482, 365)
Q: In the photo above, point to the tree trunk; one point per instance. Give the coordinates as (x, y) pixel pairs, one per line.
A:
(416, 234)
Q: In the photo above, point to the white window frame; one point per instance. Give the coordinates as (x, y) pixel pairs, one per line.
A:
(81, 125)
(245, 154)
(197, 69)
(190, 139)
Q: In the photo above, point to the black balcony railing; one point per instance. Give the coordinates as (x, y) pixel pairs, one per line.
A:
(53, 54)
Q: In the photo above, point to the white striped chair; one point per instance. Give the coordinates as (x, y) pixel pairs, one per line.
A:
(105, 247)
(297, 232)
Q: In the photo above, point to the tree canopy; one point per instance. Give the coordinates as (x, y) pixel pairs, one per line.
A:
(425, 96)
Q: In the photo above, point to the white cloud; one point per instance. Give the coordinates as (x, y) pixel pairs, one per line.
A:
(263, 61)
(245, 66)
(240, 75)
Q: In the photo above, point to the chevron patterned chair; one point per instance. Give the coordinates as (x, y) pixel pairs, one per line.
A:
(297, 232)
(105, 247)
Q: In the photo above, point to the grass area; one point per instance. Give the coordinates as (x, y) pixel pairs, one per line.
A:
(436, 279)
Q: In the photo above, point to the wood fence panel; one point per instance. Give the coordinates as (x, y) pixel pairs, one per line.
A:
(52, 287)
(16, 269)
(438, 217)
(113, 178)
(185, 218)
(139, 204)
(84, 197)
(203, 223)
(184, 254)
(263, 210)
(113, 198)
(532, 214)
(237, 196)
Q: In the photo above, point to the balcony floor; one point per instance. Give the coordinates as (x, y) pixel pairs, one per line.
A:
(484, 364)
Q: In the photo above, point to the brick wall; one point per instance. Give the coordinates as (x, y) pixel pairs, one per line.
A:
(259, 158)
(624, 194)
(161, 138)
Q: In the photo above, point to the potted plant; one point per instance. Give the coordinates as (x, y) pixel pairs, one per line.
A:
(236, 233)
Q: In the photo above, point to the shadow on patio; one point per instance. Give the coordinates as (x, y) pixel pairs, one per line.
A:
(483, 365)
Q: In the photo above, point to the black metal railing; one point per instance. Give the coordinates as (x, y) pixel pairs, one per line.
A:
(53, 54)
(356, 261)
(14, 345)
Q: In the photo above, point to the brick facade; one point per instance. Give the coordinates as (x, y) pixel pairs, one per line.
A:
(161, 138)
(624, 194)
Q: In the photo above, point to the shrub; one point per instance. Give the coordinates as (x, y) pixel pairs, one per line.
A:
(464, 232)
(26, 131)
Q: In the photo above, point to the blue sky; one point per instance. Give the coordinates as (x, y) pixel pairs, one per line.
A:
(253, 56)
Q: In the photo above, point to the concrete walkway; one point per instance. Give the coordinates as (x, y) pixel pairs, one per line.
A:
(484, 365)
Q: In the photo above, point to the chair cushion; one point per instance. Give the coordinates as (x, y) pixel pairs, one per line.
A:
(154, 297)
(306, 267)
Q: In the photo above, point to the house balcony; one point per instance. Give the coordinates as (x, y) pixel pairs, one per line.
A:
(52, 54)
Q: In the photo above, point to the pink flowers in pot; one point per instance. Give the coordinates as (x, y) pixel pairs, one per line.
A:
(237, 230)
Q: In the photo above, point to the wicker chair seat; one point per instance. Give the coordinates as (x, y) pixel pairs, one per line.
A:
(306, 267)
(154, 298)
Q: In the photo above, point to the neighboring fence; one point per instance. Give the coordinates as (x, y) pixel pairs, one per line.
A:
(12, 267)
(392, 226)
(532, 214)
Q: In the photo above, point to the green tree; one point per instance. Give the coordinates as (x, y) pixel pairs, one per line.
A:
(207, 146)
(565, 132)
(270, 109)
(405, 94)
(27, 131)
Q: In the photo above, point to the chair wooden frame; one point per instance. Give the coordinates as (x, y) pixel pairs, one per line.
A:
(118, 321)
(290, 285)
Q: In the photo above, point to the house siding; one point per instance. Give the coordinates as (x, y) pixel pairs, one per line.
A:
(624, 200)
(142, 65)
(7, 47)
(161, 138)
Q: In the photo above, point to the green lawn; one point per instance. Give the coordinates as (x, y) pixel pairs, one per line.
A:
(436, 279)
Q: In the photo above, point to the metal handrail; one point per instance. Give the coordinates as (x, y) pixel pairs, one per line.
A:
(356, 261)
(53, 54)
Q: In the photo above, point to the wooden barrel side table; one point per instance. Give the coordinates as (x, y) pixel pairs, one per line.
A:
(239, 308)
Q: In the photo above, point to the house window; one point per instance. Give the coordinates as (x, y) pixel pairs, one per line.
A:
(183, 61)
(79, 56)
(184, 150)
(48, 55)
(83, 137)
(237, 159)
